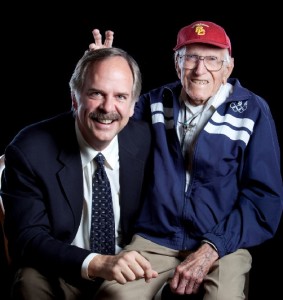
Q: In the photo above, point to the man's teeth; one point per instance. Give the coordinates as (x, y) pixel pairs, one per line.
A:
(200, 81)
(105, 121)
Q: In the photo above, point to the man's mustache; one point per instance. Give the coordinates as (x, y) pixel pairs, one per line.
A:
(113, 116)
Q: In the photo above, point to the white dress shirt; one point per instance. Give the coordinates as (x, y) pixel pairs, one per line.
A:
(112, 166)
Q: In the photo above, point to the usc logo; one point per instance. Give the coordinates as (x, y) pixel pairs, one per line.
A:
(199, 28)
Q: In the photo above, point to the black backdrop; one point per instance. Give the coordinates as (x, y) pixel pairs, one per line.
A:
(41, 43)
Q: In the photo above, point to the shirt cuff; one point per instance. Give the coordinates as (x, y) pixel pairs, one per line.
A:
(211, 244)
(84, 269)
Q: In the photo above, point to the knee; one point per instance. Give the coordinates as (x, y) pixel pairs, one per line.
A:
(23, 283)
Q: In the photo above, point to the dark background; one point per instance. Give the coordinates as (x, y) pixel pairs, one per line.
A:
(41, 44)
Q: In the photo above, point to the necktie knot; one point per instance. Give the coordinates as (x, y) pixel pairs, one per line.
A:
(99, 159)
(100, 171)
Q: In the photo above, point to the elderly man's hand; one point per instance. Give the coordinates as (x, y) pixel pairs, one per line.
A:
(109, 36)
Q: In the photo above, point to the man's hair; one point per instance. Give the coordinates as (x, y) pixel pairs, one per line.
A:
(77, 80)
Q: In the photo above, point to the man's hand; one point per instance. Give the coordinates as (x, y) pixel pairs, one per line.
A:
(109, 36)
(123, 267)
(190, 273)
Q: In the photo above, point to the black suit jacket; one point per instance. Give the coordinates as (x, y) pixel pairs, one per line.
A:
(42, 191)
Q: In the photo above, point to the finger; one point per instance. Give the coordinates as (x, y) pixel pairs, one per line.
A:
(149, 273)
(92, 46)
(189, 286)
(97, 37)
(137, 270)
(120, 278)
(129, 272)
(175, 281)
(196, 288)
(148, 277)
(109, 37)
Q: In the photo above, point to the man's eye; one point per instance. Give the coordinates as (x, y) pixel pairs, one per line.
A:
(122, 98)
(191, 57)
(211, 58)
(95, 94)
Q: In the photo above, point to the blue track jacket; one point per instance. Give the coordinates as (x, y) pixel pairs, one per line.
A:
(235, 195)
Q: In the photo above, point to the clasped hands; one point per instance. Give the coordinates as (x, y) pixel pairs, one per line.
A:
(123, 267)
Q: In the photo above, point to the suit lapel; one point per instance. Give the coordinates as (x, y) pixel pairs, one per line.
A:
(70, 176)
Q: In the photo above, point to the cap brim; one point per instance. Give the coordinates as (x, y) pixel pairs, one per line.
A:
(195, 41)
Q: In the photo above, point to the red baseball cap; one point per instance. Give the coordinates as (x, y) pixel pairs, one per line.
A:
(203, 32)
